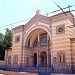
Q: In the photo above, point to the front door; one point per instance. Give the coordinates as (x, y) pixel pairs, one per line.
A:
(43, 58)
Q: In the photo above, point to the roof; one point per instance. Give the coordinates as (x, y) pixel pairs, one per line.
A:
(39, 17)
(63, 13)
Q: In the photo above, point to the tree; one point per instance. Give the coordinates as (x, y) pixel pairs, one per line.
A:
(5, 42)
(1, 46)
(8, 38)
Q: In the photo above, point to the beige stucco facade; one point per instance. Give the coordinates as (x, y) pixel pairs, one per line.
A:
(59, 42)
(58, 47)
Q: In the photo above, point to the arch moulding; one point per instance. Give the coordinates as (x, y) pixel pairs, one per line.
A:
(37, 27)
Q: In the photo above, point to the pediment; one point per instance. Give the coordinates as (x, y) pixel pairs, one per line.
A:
(37, 19)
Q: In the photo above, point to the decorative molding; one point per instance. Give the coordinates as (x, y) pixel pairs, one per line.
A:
(37, 27)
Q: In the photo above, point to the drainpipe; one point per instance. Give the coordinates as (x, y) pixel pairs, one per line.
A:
(22, 46)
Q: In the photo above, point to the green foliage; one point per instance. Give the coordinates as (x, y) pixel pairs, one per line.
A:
(1, 38)
(5, 42)
(1, 46)
(8, 38)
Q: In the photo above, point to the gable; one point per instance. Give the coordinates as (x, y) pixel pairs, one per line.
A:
(37, 19)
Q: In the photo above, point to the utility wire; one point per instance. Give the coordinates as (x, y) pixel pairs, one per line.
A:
(30, 18)
(59, 7)
(65, 13)
(60, 10)
(14, 23)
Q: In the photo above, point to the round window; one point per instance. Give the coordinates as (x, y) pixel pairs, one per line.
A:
(60, 29)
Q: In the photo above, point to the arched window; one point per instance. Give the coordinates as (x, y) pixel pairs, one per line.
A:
(29, 42)
(17, 38)
(15, 59)
(43, 57)
(61, 58)
(35, 42)
(35, 59)
(27, 61)
(43, 38)
(9, 60)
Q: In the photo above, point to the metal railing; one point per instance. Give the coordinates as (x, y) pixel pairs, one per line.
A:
(56, 68)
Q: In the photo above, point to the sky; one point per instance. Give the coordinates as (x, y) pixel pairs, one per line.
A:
(12, 11)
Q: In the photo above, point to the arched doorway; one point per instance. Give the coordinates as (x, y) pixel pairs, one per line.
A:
(35, 59)
(43, 57)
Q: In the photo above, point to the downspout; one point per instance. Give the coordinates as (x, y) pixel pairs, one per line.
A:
(22, 46)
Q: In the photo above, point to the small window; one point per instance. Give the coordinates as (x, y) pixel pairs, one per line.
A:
(9, 60)
(15, 59)
(17, 39)
(29, 42)
(43, 39)
(27, 61)
(61, 58)
(35, 42)
(60, 29)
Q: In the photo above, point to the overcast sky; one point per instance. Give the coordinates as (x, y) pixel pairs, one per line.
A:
(12, 11)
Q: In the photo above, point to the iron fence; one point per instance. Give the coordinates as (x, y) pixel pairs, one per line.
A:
(54, 68)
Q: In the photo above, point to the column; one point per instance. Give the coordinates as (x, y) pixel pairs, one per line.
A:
(38, 50)
(47, 50)
(32, 61)
(47, 60)
(39, 60)
(38, 37)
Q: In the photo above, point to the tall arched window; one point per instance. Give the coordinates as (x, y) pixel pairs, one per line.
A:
(29, 42)
(15, 59)
(9, 60)
(35, 42)
(61, 58)
(43, 38)
(27, 61)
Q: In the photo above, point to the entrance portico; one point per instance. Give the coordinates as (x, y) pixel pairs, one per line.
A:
(38, 44)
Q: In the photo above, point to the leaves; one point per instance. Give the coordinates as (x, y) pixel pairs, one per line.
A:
(5, 42)
(8, 38)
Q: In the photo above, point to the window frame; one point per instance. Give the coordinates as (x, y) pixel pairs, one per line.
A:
(60, 29)
(28, 42)
(42, 35)
(61, 57)
(15, 59)
(35, 42)
(17, 38)
(9, 59)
